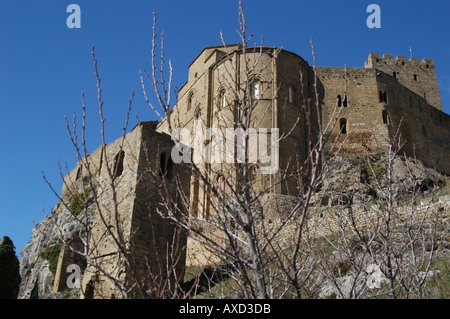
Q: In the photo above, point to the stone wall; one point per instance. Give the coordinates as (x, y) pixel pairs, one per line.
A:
(131, 197)
(363, 110)
(378, 106)
(424, 131)
(352, 110)
(417, 76)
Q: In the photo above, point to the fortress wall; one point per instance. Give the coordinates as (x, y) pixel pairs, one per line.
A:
(101, 243)
(364, 131)
(424, 130)
(153, 235)
(146, 234)
(293, 73)
(418, 76)
(364, 107)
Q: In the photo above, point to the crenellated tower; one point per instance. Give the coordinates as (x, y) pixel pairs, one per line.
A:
(418, 76)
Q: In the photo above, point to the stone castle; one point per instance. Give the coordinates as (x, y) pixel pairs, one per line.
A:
(367, 107)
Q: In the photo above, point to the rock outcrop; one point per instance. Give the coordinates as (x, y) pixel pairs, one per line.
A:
(35, 269)
(345, 184)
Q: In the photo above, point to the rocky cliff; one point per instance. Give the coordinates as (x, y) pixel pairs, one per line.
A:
(39, 258)
(346, 181)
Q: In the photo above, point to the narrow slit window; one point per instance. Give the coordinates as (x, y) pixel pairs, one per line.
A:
(118, 164)
(416, 78)
(222, 100)
(424, 131)
(339, 101)
(385, 117)
(162, 165)
(190, 103)
(195, 196)
(79, 173)
(343, 126)
(345, 102)
(292, 95)
(256, 90)
(169, 169)
(383, 97)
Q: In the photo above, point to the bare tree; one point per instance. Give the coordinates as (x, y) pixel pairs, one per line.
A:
(250, 241)
(244, 240)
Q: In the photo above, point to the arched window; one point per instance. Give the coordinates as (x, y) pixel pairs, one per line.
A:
(89, 291)
(118, 164)
(292, 94)
(339, 101)
(343, 125)
(383, 97)
(165, 166)
(222, 99)
(256, 89)
(190, 102)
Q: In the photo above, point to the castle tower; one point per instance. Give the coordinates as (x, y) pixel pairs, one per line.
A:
(128, 238)
(364, 111)
(276, 85)
(418, 76)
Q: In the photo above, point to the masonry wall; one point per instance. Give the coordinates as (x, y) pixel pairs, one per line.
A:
(423, 130)
(417, 76)
(359, 107)
(158, 245)
(140, 162)
(381, 106)
(293, 73)
(218, 79)
(352, 110)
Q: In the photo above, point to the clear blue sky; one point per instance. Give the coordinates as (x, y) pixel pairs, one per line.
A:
(44, 67)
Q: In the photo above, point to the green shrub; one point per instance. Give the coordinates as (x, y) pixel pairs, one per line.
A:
(79, 201)
(51, 254)
(373, 173)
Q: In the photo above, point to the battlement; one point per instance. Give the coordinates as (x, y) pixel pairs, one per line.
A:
(374, 60)
(419, 76)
